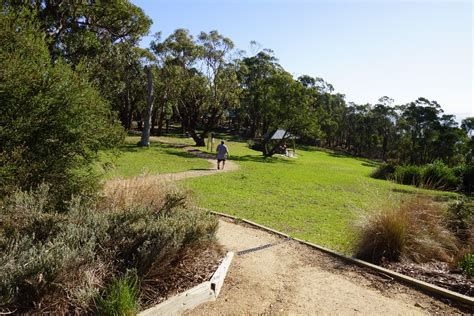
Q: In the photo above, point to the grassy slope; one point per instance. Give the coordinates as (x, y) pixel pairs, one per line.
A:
(158, 158)
(314, 197)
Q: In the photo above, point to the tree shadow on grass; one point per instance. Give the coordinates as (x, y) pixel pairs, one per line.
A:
(183, 154)
(261, 159)
(396, 190)
(133, 148)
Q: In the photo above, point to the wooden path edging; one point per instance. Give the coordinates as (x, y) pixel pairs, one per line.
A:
(401, 277)
(205, 292)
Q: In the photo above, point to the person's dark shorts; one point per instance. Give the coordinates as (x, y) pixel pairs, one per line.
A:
(219, 160)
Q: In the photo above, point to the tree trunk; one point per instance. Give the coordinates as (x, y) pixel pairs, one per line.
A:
(198, 140)
(154, 117)
(145, 140)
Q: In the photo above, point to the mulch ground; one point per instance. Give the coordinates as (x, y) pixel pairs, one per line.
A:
(194, 266)
(437, 273)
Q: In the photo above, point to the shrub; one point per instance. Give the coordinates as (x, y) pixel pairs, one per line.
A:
(121, 296)
(60, 261)
(384, 171)
(460, 217)
(416, 230)
(467, 181)
(467, 265)
(439, 176)
(52, 120)
(410, 175)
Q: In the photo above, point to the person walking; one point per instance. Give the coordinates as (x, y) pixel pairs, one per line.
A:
(222, 154)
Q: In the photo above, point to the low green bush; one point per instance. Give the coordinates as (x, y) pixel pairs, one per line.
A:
(62, 261)
(460, 217)
(439, 176)
(410, 175)
(467, 181)
(467, 265)
(384, 171)
(121, 296)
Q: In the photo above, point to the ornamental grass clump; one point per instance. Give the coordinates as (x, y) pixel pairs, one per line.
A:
(415, 230)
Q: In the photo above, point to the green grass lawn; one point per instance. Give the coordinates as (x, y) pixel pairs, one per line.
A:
(130, 160)
(317, 196)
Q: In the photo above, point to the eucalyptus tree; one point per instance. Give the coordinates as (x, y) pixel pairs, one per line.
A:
(385, 120)
(254, 73)
(75, 29)
(102, 37)
(205, 82)
(419, 121)
(468, 125)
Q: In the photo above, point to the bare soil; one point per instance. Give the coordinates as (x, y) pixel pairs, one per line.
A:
(291, 278)
(438, 273)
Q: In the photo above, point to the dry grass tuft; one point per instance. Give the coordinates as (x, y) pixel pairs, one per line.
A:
(144, 191)
(417, 230)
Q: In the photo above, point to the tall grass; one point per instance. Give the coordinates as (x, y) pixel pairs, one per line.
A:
(121, 296)
(415, 230)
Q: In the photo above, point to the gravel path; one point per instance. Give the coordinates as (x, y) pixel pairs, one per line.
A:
(291, 278)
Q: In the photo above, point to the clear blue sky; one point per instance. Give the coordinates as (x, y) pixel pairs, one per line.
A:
(366, 49)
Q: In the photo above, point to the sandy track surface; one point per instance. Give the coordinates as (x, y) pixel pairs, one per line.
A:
(291, 278)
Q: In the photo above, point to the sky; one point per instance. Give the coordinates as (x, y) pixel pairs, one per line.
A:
(365, 48)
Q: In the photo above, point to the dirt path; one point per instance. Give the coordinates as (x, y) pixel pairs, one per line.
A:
(229, 166)
(291, 278)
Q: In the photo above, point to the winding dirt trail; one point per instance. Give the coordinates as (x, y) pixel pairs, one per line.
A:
(229, 166)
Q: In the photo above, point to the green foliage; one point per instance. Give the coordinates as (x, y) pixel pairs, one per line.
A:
(461, 218)
(121, 296)
(198, 77)
(410, 175)
(468, 178)
(467, 265)
(439, 176)
(52, 121)
(272, 99)
(384, 171)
